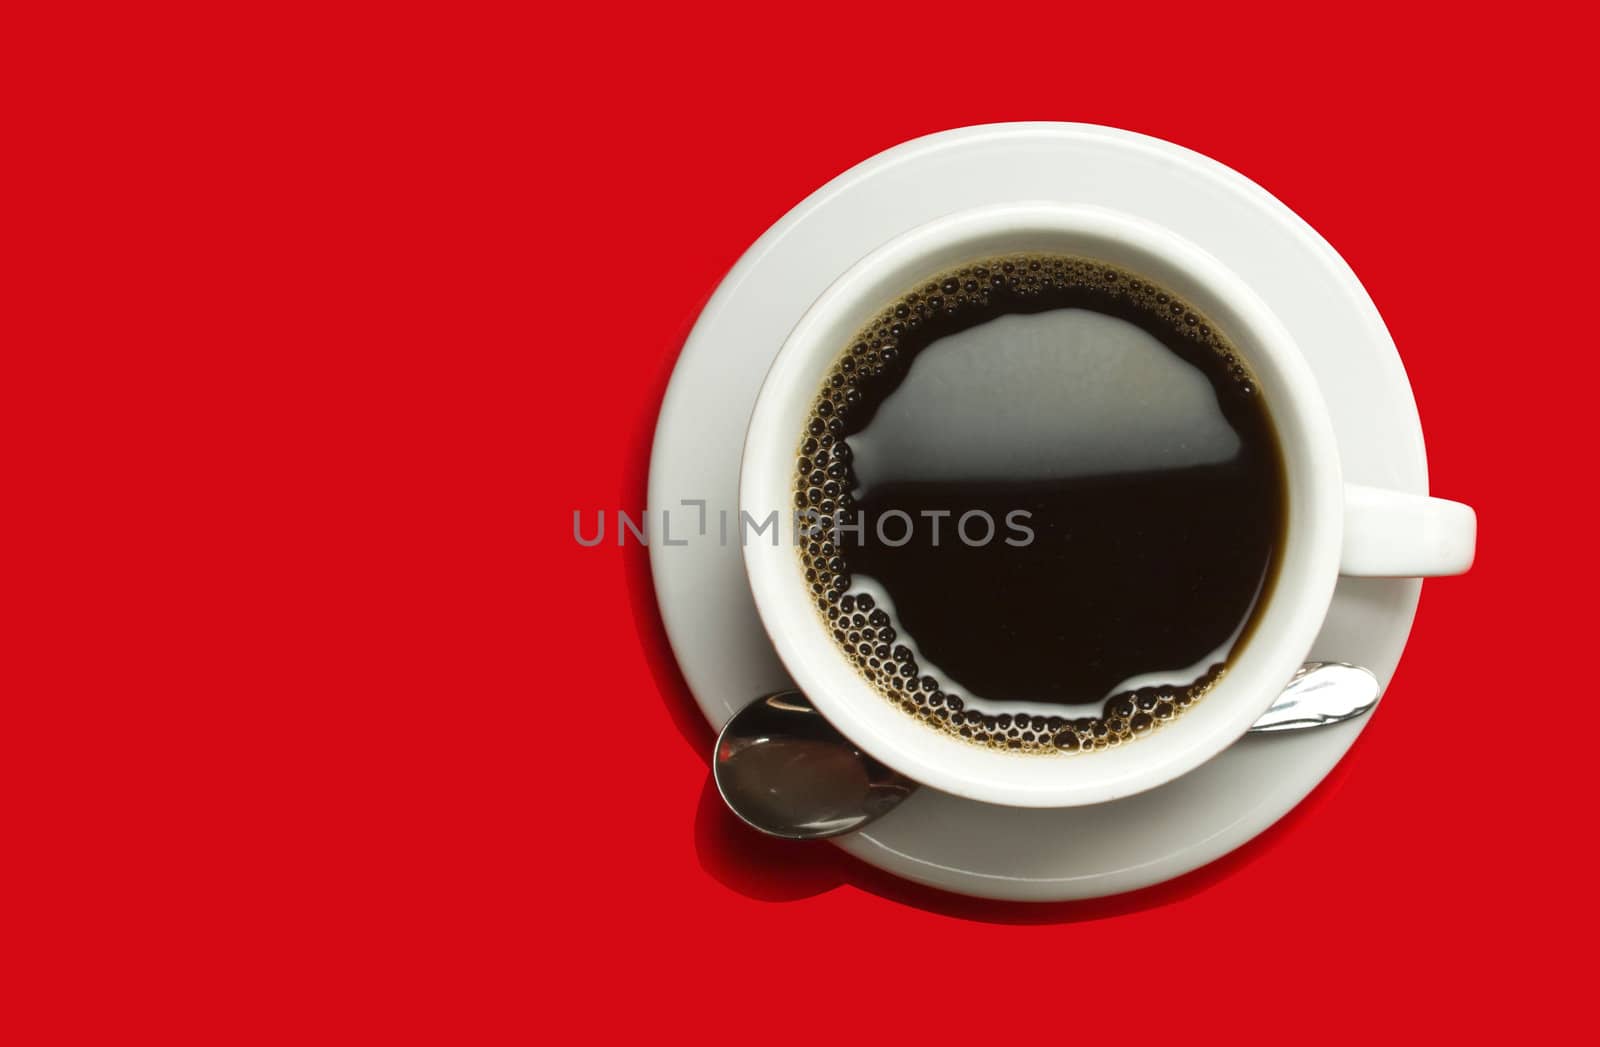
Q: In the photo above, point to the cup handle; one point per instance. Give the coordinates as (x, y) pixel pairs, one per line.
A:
(1389, 534)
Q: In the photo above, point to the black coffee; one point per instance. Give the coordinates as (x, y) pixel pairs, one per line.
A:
(1047, 500)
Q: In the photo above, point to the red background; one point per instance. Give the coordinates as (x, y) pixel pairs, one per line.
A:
(324, 325)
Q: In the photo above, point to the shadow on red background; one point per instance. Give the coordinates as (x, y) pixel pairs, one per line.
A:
(772, 870)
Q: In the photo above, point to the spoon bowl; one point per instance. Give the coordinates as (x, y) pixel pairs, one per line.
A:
(786, 771)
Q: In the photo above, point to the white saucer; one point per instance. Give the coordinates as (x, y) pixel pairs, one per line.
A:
(934, 838)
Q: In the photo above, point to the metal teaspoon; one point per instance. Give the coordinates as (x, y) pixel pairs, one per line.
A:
(784, 770)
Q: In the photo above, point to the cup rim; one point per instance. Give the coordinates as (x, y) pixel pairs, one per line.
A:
(1285, 626)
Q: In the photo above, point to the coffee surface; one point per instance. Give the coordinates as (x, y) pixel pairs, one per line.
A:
(1047, 501)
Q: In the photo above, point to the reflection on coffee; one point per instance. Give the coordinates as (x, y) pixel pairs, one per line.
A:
(1048, 500)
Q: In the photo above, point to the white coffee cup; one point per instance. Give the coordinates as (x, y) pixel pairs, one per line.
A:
(1332, 528)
